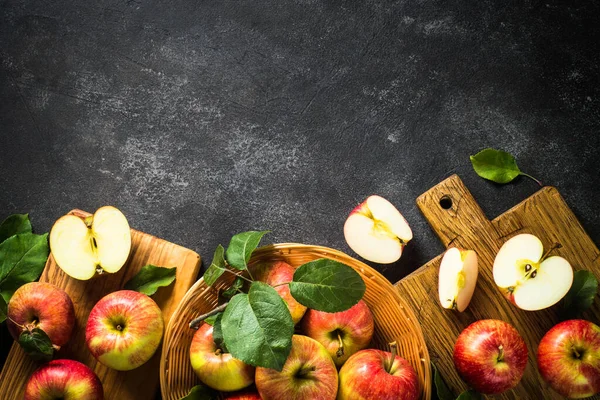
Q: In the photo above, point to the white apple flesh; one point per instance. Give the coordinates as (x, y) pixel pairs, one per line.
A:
(457, 278)
(101, 242)
(527, 278)
(377, 231)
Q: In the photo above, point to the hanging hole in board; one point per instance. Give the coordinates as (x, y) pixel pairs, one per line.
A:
(446, 202)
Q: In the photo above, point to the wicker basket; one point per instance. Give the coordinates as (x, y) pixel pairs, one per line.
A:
(393, 319)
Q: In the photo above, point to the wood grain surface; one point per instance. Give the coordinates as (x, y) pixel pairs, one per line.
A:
(140, 383)
(544, 214)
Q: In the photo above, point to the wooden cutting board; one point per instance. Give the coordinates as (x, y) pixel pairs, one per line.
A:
(142, 382)
(459, 222)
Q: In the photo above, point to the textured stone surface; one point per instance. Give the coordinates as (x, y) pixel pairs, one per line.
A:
(202, 119)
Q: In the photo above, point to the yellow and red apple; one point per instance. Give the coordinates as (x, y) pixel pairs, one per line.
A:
(63, 379)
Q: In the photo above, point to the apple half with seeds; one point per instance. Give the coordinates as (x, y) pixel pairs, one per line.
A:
(457, 278)
(377, 231)
(527, 277)
(98, 243)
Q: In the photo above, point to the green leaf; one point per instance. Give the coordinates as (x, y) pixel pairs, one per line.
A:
(201, 392)
(3, 310)
(217, 267)
(581, 294)
(469, 395)
(13, 225)
(218, 333)
(237, 285)
(37, 344)
(327, 285)
(241, 247)
(150, 278)
(496, 165)
(443, 393)
(258, 328)
(211, 320)
(22, 260)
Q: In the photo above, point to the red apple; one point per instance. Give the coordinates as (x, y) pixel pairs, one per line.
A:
(490, 356)
(569, 358)
(63, 379)
(41, 305)
(217, 369)
(378, 374)
(245, 395)
(124, 329)
(276, 273)
(342, 333)
(308, 373)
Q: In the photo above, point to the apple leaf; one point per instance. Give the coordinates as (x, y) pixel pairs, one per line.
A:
(13, 225)
(581, 294)
(3, 310)
(37, 344)
(235, 287)
(443, 393)
(201, 392)
(258, 328)
(218, 333)
(217, 267)
(22, 260)
(211, 320)
(241, 247)
(497, 166)
(327, 285)
(469, 395)
(150, 278)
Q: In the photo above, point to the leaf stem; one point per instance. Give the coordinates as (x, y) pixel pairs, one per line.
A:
(241, 276)
(531, 177)
(196, 321)
(281, 284)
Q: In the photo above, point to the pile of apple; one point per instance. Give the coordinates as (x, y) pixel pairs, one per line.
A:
(123, 330)
(330, 356)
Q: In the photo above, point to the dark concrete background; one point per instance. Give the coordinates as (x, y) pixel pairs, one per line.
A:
(202, 119)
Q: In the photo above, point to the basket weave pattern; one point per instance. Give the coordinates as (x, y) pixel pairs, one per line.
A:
(393, 319)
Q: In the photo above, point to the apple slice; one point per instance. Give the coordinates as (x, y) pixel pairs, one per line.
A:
(457, 278)
(376, 231)
(528, 278)
(83, 246)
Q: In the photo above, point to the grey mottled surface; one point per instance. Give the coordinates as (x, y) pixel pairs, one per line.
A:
(201, 119)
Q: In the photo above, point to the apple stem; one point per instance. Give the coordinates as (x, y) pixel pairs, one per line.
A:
(195, 323)
(17, 324)
(501, 353)
(340, 350)
(554, 247)
(394, 350)
(577, 354)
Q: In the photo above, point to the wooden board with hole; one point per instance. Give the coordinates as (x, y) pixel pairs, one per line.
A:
(140, 383)
(459, 222)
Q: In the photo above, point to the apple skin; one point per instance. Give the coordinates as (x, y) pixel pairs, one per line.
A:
(245, 395)
(568, 358)
(364, 376)
(63, 379)
(354, 326)
(124, 329)
(308, 373)
(219, 370)
(276, 273)
(478, 349)
(41, 305)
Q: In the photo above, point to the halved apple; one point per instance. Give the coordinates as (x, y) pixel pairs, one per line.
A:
(528, 278)
(377, 231)
(99, 243)
(457, 278)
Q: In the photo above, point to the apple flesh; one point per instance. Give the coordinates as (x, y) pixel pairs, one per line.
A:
(99, 243)
(308, 373)
(377, 374)
(342, 333)
(490, 356)
(568, 358)
(41, 305)
(276, 273)
(63, 379)
(529, 279)
(214, 367)
(457, 278)
(124, 329)
(376, 231)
